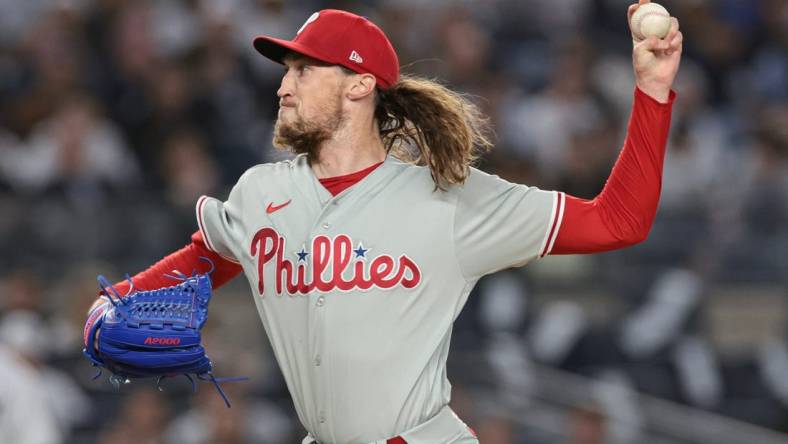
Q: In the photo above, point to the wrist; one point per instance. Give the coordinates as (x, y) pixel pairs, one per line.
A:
(660, 93)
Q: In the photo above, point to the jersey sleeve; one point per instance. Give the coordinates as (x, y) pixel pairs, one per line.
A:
(499, 224)
(220, 223)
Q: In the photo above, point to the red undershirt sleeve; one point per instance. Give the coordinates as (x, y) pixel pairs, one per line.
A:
(622, 214)
(185, 260)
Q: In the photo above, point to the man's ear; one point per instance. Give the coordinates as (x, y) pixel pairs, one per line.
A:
(361, 85)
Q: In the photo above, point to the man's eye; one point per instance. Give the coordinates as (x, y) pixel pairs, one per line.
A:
(298, 69)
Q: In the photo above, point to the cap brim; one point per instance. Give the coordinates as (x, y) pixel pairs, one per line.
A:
(277, 49)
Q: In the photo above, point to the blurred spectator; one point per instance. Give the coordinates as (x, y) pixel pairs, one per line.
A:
(587, 426)
(27, 334)
(75, 152)
(239, 101)
(209, 421)
(700, 144)
(766, 79)
(21, 289)
(714, 42)
(466, 48)
(141, 420)
(541, 126)
(72, 296)
(186, 169)
(47, 71)
(590, 153)
(25, 416)
(754, 241)
(496, 430)
(176, 27)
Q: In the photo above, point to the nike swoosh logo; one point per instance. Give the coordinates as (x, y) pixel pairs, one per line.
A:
(273, 208)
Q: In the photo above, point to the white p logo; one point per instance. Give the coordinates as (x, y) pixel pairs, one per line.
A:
(311, 19)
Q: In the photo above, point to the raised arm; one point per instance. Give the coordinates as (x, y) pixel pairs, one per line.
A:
(622, 214)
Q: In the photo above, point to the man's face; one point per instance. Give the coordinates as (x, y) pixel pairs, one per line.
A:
(310, 104)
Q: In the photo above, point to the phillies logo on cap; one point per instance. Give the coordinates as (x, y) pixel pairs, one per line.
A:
(311, 19)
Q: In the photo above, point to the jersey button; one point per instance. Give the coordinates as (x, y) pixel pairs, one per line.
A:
(317, 361)
(320, 301)
(326, 225)
(321, 418)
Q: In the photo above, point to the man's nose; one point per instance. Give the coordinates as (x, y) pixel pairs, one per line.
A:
(286, 86)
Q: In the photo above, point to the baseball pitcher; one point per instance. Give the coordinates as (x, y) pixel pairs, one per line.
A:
(361, 251)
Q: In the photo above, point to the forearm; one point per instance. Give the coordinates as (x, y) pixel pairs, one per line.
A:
(622, 214)
(185, 260)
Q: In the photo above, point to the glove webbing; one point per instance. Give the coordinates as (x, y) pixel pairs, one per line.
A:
(117, 379)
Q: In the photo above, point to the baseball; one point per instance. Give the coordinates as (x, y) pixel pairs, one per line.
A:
(650, 20)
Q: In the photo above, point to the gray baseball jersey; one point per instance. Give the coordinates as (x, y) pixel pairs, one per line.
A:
(358, 292)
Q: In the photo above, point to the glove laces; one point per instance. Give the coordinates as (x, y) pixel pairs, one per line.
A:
(118, 379)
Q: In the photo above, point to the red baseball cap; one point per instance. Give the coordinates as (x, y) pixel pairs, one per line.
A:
(339, 38)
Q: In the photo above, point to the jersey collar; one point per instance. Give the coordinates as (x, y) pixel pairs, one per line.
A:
(310, 185)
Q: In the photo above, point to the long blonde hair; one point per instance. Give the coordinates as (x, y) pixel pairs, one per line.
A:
(424, 122)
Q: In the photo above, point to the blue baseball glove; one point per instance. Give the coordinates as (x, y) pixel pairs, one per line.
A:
(152, 334)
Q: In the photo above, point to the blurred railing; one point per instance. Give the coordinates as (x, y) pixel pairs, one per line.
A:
(632, 417)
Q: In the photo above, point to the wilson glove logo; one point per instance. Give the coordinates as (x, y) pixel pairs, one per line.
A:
(150, 340)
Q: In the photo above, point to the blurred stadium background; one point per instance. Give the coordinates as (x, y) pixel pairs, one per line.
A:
(116, 115)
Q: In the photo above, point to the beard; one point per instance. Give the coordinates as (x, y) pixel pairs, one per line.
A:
(302, 137)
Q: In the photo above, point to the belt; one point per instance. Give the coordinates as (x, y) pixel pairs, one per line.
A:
(394, 440)
(445, 426)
